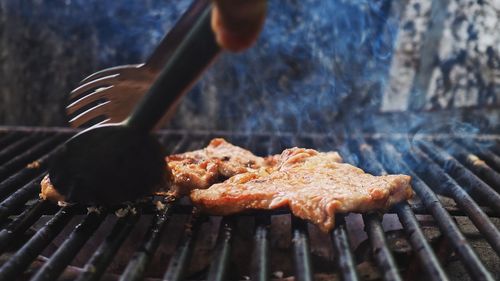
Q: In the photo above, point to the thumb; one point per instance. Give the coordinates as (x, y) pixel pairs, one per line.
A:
(237, 23)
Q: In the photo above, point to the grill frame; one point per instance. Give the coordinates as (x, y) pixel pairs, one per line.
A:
(20, 183)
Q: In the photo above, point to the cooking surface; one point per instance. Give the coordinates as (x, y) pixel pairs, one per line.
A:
(166, 239)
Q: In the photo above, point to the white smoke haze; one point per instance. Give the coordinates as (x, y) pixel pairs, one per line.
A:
(316, 62)
(388, 66)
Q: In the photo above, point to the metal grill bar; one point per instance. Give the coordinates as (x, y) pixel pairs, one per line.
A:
(474, 186)
(25, 256)
(21, 224)
(260, 255)
(475, 164)
(347, 156)
(97, 264)
(16, 147)
(70, 247)
(9, 138)
(136, 267)
(380, 249)
(494, 146)
(374, 229)
(218, 269)
(407, 218)
(10, 184)
(344, 258)
(489, 156)
(420, 209)
(260, 261)
(343, 255)
(18, 198)
(417, 239)
(395, 164)
(301, 250)
(26, 157)
(180, 260)
(477, 216)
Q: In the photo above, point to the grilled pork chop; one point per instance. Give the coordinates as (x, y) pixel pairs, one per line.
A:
(313, 185)
(218, 161)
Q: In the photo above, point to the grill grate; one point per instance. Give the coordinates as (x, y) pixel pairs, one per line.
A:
(465, 172)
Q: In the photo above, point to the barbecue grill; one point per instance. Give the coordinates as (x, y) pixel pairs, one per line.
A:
(455, 178)
(397, 71)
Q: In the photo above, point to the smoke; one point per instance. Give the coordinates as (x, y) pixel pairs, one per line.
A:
(312, 63)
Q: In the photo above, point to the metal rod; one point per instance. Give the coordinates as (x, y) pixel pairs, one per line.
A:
(489, 156)
(69, 248)
(136, 267)
(419, 244)
(17, 227)
(471, 183)
(380, 249)
(13, 182)
(301, 250)
(218, 267)
(29, 155)
(16, 147)
(175, 36)
(179, 261)
(24, 256)
(464, 201)
(417, 239)
(103, 256)
(18, 198)
(9, 138)
(373, 227)
(475, 164)
(192, 56)
(495, 147)
(395, 164)
(344, 257)
(420, 209)
(260, 263)
(368, 158)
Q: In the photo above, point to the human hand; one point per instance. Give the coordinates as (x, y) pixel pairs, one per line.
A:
(237, 23)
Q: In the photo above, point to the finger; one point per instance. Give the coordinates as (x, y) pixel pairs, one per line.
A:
(237, 23)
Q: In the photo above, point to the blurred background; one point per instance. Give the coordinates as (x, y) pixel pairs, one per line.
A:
(382, 65)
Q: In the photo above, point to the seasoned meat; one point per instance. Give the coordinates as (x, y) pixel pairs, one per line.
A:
(313, 185)
(48, 192)
(218, 161)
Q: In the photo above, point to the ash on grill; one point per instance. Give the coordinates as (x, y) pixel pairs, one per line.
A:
(450, 231)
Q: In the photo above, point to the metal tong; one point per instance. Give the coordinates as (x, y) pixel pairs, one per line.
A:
(109, 95)
(110, 164)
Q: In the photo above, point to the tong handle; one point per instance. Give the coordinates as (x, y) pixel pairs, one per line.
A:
(194, 54)
(174, 37)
